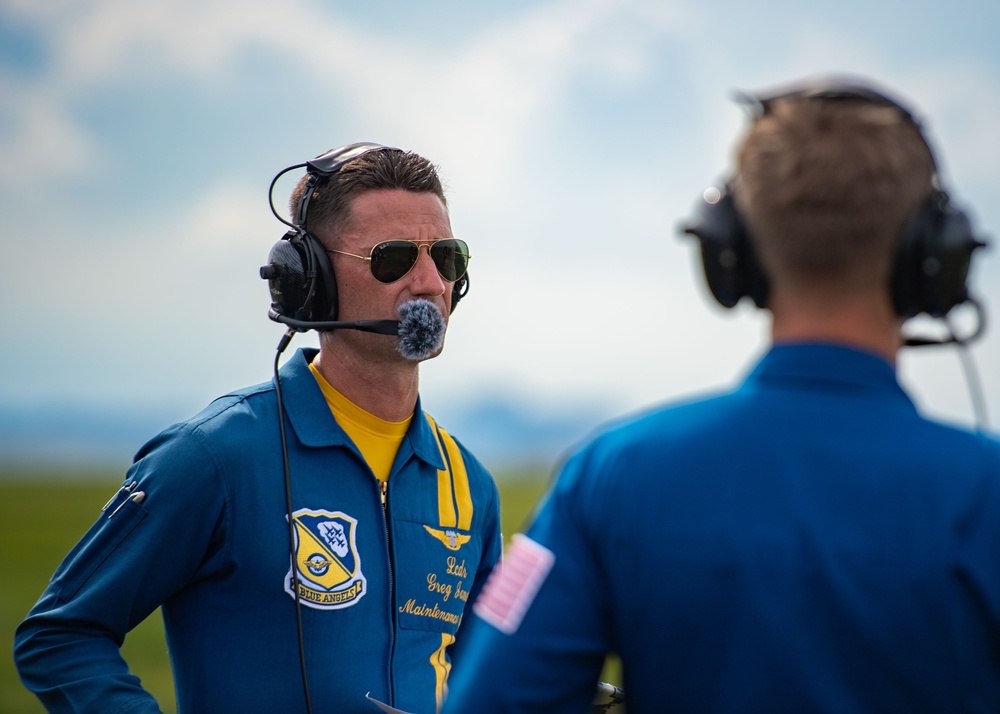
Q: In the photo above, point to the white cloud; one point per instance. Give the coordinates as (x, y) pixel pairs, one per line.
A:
(222, 221)
(622, 317)
(487, 97)
(482, 95)
(41, 142)
(100, 41)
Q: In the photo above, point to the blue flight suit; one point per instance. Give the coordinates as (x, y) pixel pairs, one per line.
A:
(806, 543)
(383, 588)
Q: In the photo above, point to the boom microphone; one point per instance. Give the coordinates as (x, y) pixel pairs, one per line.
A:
(421, 329)
(381, 327)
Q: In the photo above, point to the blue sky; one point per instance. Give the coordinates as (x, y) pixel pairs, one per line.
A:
(138, 140)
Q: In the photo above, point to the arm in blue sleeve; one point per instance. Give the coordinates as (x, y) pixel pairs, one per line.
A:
(552, 662)
(139, 552)
(978, 550)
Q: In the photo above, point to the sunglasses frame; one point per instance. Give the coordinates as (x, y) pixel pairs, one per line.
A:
(419, 244)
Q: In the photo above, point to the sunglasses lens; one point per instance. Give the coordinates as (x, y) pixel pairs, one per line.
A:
(451, 257)
(393, 259)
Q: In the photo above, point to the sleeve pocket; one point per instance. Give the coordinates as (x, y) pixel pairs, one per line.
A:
(96, 546)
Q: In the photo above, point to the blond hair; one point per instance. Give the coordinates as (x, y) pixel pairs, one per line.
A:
(825, 187)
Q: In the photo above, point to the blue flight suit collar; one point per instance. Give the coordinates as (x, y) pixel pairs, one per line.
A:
(838, 367)
(315, 426)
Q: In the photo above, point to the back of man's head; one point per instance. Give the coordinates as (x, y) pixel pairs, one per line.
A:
(826, 186)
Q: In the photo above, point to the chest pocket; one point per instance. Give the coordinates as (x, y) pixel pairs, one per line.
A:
(442, 557)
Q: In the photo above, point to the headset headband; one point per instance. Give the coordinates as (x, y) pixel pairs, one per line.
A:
(832, 89)
(326, 165)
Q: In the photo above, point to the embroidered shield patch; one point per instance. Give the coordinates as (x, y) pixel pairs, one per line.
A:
(326, 559)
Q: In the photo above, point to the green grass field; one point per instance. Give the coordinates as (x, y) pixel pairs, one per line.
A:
(41, 517)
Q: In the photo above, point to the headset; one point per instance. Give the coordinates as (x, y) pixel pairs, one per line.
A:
(932, 259)
(299, 273)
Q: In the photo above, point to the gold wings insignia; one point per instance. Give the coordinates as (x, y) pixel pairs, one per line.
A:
(453, 540)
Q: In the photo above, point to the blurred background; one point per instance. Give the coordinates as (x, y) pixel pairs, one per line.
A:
(138, 141)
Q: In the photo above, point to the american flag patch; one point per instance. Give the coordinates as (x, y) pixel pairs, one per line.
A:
(512, 586)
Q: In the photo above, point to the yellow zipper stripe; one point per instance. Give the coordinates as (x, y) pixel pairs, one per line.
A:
(442, 668)
(446, 503)
(460, 482)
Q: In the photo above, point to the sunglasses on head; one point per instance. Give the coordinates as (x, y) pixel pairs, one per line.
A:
(393, 259)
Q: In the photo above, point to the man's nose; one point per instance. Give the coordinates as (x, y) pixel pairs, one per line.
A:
(425, 278)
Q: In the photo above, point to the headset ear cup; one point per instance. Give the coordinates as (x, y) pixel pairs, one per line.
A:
(955, 247)
(285, 273)
(732, 270)
(459, 290)
(300, 278)
(933, 260)
(325, 304)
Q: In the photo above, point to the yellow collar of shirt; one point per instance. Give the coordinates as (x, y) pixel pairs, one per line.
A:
(378, 440)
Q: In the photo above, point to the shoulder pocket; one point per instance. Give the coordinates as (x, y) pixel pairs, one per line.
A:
(116, 522)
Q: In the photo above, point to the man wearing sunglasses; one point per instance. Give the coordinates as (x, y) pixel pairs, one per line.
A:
(313, 540)
(806, 541)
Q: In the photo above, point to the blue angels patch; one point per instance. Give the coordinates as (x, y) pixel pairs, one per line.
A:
(326, 559)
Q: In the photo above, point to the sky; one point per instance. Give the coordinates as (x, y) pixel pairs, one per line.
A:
(138, 141)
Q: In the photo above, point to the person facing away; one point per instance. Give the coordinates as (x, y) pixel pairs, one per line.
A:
(806, 542)
(305, 565)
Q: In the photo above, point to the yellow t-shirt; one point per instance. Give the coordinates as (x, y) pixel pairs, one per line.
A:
(378, 440)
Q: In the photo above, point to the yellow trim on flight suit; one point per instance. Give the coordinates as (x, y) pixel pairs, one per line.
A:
(446, 503)
(442, 668)
(460, 480)
(455, 507)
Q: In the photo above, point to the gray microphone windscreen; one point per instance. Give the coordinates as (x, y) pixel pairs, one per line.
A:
(421, 329)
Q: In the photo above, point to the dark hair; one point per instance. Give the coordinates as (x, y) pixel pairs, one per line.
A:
(826, 187)
(329, 208)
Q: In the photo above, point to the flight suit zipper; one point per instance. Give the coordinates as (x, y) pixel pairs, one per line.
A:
(384, 496)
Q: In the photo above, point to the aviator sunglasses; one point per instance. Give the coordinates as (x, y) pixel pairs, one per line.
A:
(392, 259)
